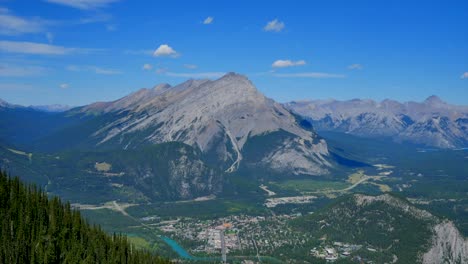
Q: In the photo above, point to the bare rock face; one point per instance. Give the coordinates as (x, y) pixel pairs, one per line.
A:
(448, 246)
(432, 123)
(188, 177)
(295, 156)
(218, 117)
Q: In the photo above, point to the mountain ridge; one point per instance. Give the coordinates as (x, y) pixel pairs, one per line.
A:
(433, 122)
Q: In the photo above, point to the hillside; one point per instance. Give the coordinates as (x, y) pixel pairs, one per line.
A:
(36, 229)
(387, 229)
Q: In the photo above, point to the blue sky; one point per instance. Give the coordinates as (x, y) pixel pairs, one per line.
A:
(81, 51)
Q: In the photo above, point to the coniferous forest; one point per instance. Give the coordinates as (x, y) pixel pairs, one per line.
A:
(36, 229)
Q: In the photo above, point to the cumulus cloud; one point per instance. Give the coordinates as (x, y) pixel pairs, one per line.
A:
(274, 25)
(147, 67)
(37, 48)
(287, 63)
(165, 50)
(92, 68)
(15, 25)
(83, 4)
(464, 75)
(317, 75)
(195, 75)
(355, 66)
(11, 70)
(208, 20)
(190, 66)
(64, 85)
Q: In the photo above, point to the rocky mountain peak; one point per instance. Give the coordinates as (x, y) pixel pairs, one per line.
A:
(434, 100)
(217, 117)
(234, 75)
(161, 87)
(3, 103)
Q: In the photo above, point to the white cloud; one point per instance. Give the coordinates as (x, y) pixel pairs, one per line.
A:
(287, 63)
(64, 85)
(274, 25)
(165, 50)
(83, 4)
(318, 75)
(14, 25)
(355, 66)
(50, 37)
(464, 75)
(9, 70)
(190, 66)
(196, 75)
(92, 68)
(147, 67)
(37, 48)
(208, 20)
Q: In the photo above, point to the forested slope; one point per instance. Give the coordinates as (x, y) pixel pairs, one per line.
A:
(36, 229)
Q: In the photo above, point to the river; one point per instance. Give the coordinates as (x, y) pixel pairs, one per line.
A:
(185, 255)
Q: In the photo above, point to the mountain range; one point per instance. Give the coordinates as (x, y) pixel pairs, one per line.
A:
(431, 123)
(167, 142)
(182, 141)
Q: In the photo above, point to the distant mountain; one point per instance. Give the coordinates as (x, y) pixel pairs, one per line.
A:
(223, 118)
(3, 103)
(433, 123)
(22, 126)
(51, 108)
(44, 108)
(395, 229)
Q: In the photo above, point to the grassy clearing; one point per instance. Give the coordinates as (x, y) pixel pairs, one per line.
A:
(356, 177)
(382, 187)
(103, 166)
(139, 242)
